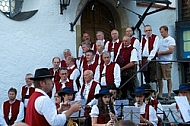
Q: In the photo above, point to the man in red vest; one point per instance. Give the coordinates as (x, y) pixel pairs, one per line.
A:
(100, 50)
(109, 72)
(27, 90)
(134, 41)
(55, 73)
(64, 81)
(85, 37)
(89, 89)
(148, 47)
(55, 69)
(153, 102)
(90, 65)
(13, 109)
(100, 36)
(126, 58)
(66, 53)
(147, 112)
(113, 45)
(41, 110)
(82, 60)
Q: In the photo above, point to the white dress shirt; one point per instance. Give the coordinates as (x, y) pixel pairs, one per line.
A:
(152, 113)
(145, 52)
(136, 45)
(86, 92)
(75, 74)
(20, 115)
(46, 107)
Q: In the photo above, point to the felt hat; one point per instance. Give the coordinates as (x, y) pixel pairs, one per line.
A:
(182, 87)
(103, 92)
(112, 86)
(66, 90)
(41, 74)
(140, 91)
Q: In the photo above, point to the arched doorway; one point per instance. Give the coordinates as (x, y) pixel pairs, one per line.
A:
(97, 17)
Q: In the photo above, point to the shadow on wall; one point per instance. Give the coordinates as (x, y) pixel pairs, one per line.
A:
(19, 10)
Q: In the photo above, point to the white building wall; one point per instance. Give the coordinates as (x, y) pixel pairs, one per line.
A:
(30, 44)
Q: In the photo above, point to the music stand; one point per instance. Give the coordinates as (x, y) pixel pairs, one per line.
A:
(79, 113)
(132, 113)
(119, 104)
(172, 114)
(184, 107)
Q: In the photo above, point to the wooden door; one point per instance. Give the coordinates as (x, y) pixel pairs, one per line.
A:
(97, 17)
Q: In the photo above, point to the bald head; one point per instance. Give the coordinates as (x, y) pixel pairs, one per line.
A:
(88, 76)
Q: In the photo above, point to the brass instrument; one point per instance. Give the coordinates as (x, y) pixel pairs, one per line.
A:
(71, 123)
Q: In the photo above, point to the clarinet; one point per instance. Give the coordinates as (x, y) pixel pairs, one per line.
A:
(109, 110)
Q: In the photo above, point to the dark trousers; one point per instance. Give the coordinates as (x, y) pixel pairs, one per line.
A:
(149, 71)
(129, 87)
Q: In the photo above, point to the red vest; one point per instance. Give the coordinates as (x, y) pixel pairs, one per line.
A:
(14, 110)
(90, 67)
(91, 92)
(83, 60)
(56, 74)
(124, 56)
(24, 90)
(146, 114)
(103, 120)
(150, 42)
(115, 49)
(63, 63)
(154, 103)
(109, 75)
(33, 118)
(58, 85)
(97, 57)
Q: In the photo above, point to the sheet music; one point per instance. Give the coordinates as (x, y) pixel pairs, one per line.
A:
(120, 103)
(132, 113)
(79, 113)
(184, 107)
(172, 114)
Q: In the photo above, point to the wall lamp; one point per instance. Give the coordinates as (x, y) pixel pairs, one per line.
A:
(63, 5)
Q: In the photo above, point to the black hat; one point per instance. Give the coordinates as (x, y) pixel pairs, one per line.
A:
(182, 87)
(103, 92)
(66, 90)
(41, 73)
(147, 87)
(112, 86)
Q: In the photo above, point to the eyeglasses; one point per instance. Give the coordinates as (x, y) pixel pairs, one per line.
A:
(148, 30)
(63, 73)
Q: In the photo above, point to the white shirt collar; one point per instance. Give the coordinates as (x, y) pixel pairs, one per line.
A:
(41, 91)
(30, 86)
